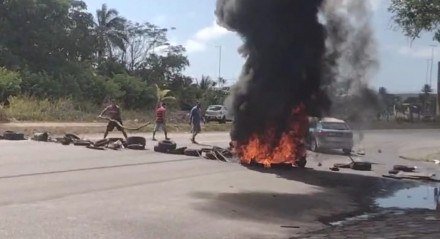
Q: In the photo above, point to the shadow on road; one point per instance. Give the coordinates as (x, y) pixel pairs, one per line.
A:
(360, 190)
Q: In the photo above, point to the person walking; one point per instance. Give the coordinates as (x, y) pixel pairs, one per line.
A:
(113, 113)
(160, 121)
(195, 121)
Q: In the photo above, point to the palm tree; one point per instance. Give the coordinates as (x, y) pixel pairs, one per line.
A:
(110, 31)
(163, 95)
(426, 90)
(206, 83)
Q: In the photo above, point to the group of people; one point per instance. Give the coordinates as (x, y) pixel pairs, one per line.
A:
(113, 113)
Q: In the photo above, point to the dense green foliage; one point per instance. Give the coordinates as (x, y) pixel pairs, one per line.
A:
(56, 49)
(416, 16)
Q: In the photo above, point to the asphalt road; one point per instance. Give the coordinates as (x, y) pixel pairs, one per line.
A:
(53, 191)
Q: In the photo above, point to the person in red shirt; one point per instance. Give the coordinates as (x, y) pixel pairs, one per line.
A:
(160, 121)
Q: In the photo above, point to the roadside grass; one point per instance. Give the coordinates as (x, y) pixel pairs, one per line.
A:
(3, 116)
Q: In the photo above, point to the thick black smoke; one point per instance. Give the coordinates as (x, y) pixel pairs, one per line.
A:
(284, 46)
(351, 58)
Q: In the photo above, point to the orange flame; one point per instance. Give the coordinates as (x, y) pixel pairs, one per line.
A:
(267, 149)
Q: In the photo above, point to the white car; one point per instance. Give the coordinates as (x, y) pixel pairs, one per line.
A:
(217, 113)
(330, 133)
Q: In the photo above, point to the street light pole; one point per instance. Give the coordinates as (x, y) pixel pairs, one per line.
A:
(432, 63)
(219, 61)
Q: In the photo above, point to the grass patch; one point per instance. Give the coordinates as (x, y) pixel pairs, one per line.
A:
(66, 110)
(25, 109)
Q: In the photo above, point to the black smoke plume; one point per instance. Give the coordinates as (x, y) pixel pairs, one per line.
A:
(284, 46)
(321, 53)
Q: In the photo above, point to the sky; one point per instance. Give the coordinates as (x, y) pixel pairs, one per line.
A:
(403, 62)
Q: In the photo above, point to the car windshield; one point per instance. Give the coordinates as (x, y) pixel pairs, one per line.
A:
(215, 108)
(335, 126)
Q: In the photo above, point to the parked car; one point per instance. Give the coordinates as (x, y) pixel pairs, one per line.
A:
(217, 113)
(330, 133)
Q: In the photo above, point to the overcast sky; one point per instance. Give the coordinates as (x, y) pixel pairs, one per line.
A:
(403, 63)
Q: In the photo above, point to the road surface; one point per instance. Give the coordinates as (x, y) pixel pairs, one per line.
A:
(53, 191)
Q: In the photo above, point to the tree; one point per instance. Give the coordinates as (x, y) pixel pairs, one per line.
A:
(142, 41)
(416, 16)
(163, 68)
(383, 91)
(426, 99)
(35, 33)
(110, 31)
(206, 83)
(9, 84)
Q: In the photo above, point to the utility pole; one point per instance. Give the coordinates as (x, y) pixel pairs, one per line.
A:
(219, 61)
(432, 63)
(438, 90)
(428, 68)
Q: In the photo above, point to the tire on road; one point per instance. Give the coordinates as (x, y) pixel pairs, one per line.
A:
(167, 145)
(193, 152)
(136, 147)
(136, 140)
(73, 137)
(179, 151)
(10, 135)
(82, 143)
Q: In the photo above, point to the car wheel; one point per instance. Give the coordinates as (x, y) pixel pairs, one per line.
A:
(347, 151)
(223, 120)
(314, 146)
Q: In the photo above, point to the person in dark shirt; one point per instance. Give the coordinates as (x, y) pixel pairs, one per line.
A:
(195, 118)
(160, 121)
(113, 112)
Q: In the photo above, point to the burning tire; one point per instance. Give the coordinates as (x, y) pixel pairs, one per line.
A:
(136, 141)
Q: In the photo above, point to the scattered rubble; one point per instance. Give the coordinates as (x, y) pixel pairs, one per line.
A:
(410, 172)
